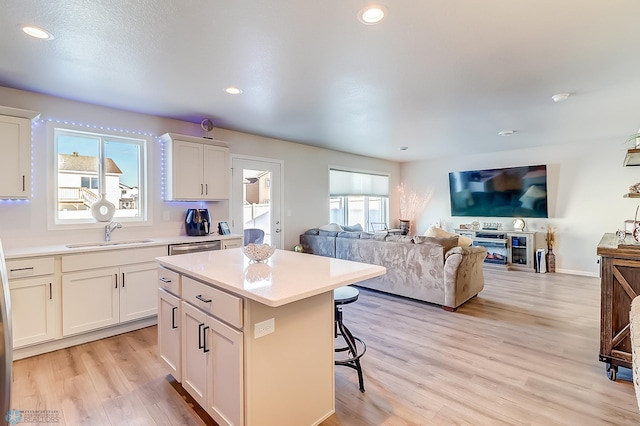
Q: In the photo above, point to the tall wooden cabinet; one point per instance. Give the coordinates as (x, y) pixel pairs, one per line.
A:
(620, 283)
(196, 168)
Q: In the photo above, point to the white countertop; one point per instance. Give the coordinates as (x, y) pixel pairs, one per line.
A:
(52, 250)
(284, 278)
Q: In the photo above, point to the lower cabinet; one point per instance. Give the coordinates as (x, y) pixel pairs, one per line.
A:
(32, 310)
(35, 304)
(103, 297)
(169, 321)
(212, 368)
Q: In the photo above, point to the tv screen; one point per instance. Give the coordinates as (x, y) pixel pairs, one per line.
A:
(508, 192)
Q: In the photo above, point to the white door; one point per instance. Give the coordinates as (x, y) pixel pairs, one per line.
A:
(194, 357)
(256, 197)
(32, 310)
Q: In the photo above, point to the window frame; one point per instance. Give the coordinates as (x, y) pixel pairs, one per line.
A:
(141, 140)
(344, 199)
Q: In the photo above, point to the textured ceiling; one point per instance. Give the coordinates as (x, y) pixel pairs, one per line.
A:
(439, 76)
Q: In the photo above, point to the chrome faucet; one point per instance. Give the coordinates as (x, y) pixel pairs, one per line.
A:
(108, 229)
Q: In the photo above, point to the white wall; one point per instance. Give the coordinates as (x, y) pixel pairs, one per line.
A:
(586, 183)
(305, 192)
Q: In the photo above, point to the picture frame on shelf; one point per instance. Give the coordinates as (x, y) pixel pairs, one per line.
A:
(223, 228)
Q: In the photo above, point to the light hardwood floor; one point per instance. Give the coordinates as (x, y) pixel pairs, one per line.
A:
(524, 352)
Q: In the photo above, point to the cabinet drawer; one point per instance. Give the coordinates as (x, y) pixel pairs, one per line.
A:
(21, 268)
(169, 280)
(216, 302)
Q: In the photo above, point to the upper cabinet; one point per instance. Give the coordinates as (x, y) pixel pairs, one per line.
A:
(15, 144)
(196, 168)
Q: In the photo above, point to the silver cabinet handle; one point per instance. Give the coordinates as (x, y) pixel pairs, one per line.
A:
(201, 191)
(206, 189)
(202, 299)
(165, 280)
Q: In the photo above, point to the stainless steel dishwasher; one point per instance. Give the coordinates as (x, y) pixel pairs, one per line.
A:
(184, 248)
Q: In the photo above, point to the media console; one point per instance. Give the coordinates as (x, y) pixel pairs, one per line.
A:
(511, 249)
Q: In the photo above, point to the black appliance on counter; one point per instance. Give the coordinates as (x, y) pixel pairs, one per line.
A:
(197, 222)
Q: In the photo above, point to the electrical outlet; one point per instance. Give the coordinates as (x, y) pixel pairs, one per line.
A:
(263, 328)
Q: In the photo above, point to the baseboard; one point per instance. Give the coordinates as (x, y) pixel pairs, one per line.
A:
(66, 342)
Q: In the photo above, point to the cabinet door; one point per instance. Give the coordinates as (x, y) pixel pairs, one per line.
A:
(89, 300)
(225, 371)
(232, 243)
(216, 173)
(194, 357)
(186, 171)
(15, 161)
(169, 310)
(138, 286)
(32, 310)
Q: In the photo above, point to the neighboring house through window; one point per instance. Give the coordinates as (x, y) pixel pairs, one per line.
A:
(359, 197)
(80, 182)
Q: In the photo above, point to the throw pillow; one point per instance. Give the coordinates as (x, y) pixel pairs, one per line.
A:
(331, 227)
(353, 228)
(441, 233)
(312, 231)
(447, 243)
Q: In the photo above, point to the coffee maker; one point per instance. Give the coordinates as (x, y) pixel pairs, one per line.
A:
(197, 222)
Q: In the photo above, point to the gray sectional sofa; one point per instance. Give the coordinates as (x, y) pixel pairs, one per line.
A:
(434, 270)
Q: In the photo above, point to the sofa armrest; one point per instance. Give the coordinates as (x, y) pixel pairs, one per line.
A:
(319, 245)
(463, 276)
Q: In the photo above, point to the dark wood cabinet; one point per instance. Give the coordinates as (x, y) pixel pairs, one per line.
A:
(620, 284)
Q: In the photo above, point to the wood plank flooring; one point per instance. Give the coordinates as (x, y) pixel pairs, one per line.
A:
(524, 352)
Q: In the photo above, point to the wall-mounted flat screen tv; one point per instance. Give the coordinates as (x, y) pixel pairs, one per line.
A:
(507, 192)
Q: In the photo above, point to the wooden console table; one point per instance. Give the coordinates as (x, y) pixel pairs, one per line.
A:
(620, 283)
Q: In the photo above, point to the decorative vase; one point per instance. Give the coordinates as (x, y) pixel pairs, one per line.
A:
(405, 226)
(551, 261)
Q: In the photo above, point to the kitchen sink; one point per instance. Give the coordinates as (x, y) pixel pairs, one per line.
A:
(107, 243)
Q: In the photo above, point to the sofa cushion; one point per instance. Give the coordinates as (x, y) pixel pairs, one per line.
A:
(324, 233)
(399, 238)
(312, 231)
(375, 236)
(441, 233)
(345, 234)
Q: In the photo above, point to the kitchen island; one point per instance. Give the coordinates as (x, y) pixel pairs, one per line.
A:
(253, 342)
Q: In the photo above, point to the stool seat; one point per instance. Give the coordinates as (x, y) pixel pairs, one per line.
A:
(355, 346)
(345, 294)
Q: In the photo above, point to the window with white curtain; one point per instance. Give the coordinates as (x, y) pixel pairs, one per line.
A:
(358, 197)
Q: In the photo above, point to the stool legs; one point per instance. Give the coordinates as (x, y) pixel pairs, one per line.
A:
(354, 360)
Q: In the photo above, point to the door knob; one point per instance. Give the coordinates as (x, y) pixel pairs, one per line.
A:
(277, 230)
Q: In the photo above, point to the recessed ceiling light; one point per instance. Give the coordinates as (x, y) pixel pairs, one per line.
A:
(506, 132)
(560, 97)
(404, 148)
(37, 32)
(373, 14)
(233, 90)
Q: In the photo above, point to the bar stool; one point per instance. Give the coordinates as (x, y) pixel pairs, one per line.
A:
(343, 296)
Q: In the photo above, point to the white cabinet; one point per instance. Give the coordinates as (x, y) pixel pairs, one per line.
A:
(197, 168)
(231, 243)
(212, 368)
(201, 350)
(169, 321)
(104, 297)
(34, 300)
(15, 161)
(90, 300)
(105, 288)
